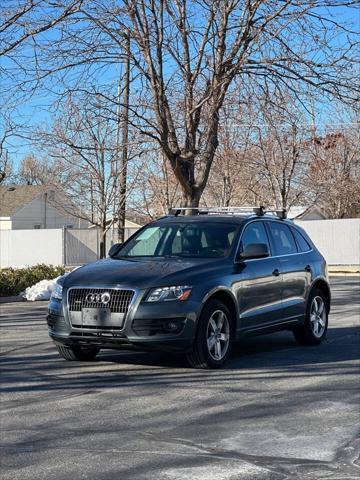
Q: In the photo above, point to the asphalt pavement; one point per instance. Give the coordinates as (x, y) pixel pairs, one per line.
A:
(277, 411)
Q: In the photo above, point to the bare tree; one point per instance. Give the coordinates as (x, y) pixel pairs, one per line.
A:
(39, 171)
(6, 167)
(21, 23)
(261, 158)
(270, 154)
(188, 55)
(22, 20)
(233, 179)
(285, 161)
(84, 144)
(334, 178)
(156, 188)
(279, 155)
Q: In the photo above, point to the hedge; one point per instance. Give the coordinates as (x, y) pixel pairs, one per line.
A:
(15, 280)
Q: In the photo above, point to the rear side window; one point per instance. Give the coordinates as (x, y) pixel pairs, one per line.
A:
(254, 233)
(300, 240)
(284, 243)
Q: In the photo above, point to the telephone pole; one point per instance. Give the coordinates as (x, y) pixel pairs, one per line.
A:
(124, 142)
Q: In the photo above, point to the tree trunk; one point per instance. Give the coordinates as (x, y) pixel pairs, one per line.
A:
(191, 198)
(193, 181)
(103, 242)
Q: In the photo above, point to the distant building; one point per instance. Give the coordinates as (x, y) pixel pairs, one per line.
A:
(306, 213)
(35, 207)
(113, 225)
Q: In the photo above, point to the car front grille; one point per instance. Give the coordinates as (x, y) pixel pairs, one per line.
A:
(119, 299)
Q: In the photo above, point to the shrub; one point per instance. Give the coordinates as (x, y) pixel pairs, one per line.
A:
(15, 280)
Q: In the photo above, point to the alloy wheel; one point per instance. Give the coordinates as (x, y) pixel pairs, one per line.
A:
(318, 317)
(218, 335)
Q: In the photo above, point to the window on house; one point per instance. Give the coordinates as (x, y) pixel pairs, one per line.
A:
(37, 226)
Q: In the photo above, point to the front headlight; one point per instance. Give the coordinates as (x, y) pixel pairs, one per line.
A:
(57, 292)
(165, 294)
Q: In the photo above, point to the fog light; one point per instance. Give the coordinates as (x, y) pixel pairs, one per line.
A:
(172, 326)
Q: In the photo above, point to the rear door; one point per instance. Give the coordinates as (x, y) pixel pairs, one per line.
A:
(304, 262)
(258, 282)
(293, 267)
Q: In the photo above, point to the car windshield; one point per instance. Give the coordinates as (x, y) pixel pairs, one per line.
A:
(202, 240)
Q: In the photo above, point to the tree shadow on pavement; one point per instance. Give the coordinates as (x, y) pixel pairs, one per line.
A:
(258, 357)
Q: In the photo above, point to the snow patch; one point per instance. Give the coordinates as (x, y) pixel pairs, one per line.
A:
(41, 290)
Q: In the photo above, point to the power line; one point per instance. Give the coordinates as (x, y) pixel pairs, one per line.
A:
(260, 125)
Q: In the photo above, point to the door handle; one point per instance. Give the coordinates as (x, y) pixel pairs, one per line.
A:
(276, 272)
(307, 268)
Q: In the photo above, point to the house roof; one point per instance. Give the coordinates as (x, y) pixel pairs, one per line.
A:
(300, 211)
(14, 197)
(128, 224)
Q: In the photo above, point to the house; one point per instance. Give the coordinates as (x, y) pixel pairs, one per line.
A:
(306, 213)
(113, 225)
(35, 207)
(131, 224)
(128, 224)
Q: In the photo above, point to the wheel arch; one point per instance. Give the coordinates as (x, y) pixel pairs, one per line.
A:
(322, 285)
(227, 297)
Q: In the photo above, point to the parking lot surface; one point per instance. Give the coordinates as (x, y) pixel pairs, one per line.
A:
(277, 411)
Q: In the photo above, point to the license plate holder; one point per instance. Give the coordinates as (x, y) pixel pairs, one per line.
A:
(96, 317)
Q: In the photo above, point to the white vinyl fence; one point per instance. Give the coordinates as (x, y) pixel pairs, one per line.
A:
(338, 241)
(20, 248)
(81, 246)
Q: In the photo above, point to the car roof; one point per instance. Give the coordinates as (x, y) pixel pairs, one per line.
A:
(216, 218)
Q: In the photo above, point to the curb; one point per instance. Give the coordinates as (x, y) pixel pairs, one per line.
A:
(344, 269)
(344, 274)
(13, 299)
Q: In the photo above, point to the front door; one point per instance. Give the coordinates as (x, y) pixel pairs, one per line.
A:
(257, 282)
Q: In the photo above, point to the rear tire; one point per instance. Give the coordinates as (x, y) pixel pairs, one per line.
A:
(314, 329)
(77, 353)
(214, 337)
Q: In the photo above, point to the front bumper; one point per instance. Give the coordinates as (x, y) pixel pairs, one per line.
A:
(163, 325)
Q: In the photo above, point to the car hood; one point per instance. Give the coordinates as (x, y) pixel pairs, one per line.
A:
(140, 273)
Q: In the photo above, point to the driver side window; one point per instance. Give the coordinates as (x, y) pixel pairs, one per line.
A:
(254, 233)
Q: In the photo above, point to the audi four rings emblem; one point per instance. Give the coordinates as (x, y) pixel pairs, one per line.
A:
(103, 298)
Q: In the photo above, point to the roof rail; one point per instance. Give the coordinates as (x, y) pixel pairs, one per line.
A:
(282, 213)
(251, 210)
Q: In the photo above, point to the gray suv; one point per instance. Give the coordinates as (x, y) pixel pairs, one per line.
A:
(195, 283)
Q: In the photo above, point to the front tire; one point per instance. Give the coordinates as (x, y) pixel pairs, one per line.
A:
(77, 353)
(314, 329)
(214, 338)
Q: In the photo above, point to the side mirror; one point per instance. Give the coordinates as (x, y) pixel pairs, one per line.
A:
(114, 249)
(255, 250)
